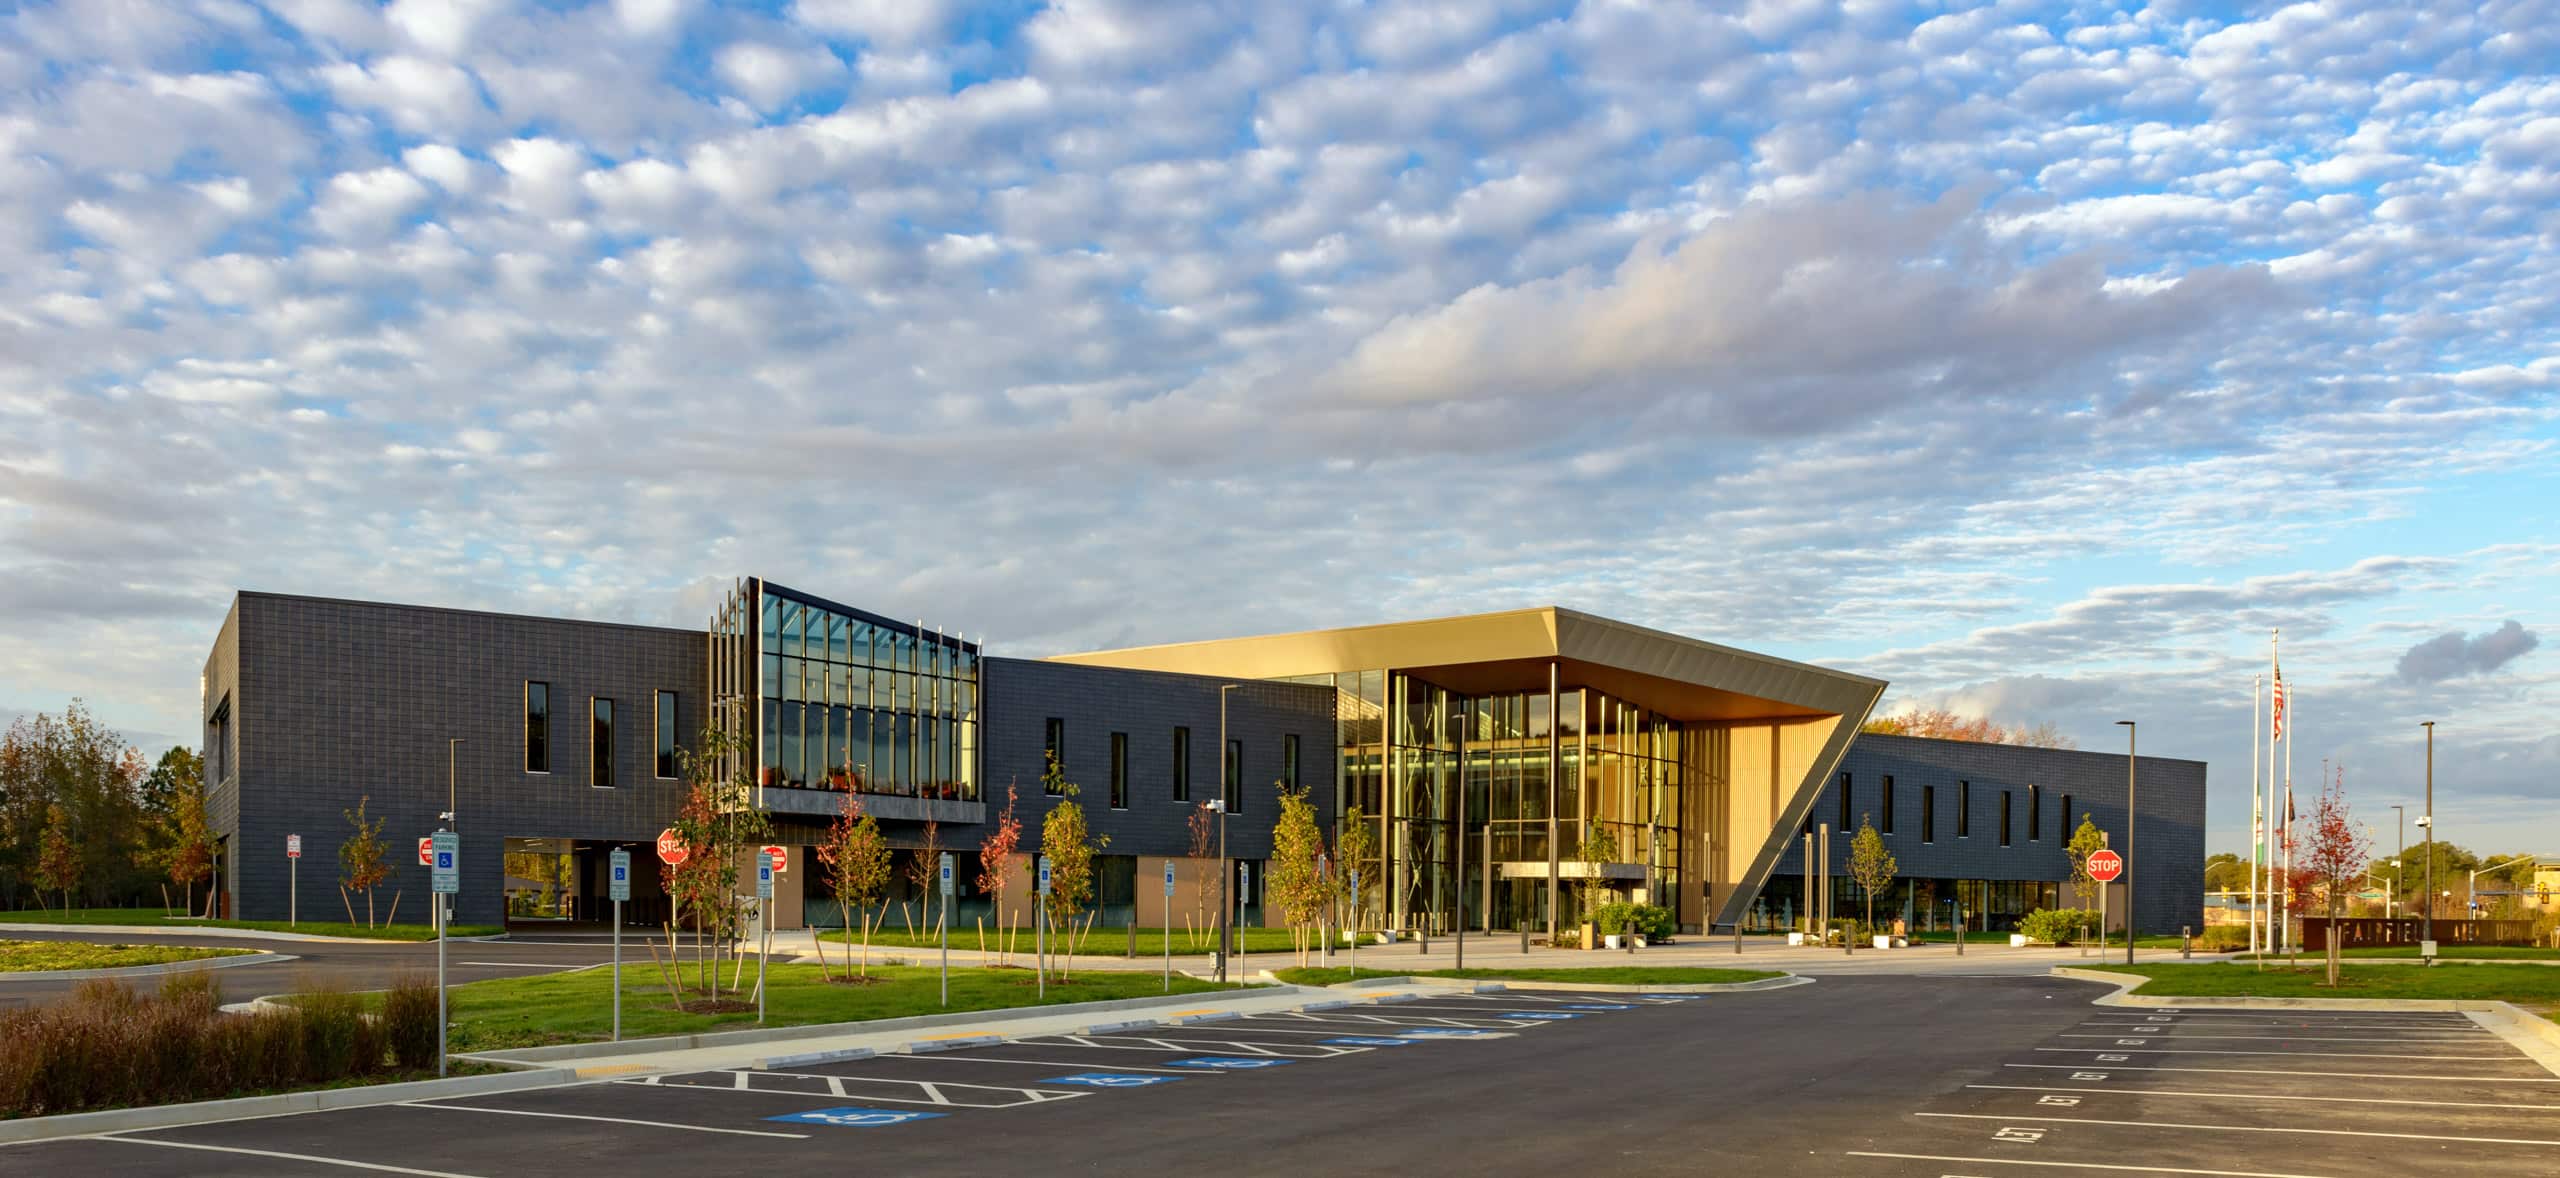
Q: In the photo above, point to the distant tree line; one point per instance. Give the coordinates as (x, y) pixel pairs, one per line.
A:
(86, 821)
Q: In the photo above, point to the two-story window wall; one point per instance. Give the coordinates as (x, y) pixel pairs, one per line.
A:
(845, 699)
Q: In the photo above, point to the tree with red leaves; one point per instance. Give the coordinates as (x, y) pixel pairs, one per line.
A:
(996, 858)
(2334, 860)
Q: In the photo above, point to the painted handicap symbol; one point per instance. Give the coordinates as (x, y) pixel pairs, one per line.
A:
(855, 1118)
(1226, 1063)
(1370, 1041)
(1110, 1080)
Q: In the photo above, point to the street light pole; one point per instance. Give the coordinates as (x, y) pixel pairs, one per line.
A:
(444, 918)
(2427, 822)
(1226, 870)
(2400, 811)
(2131, 930)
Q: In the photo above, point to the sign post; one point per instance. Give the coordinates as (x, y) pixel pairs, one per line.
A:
(945, 928)
(764, 924)
(2104, 867)
(619, 888)
(445, 880)
(293, 877)
(1355, 924)
(1168, 925)
(1040, 931)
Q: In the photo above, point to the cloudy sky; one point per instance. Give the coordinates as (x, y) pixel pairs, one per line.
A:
(2041, 358)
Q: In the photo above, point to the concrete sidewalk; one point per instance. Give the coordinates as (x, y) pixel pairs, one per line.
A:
(788, 1046)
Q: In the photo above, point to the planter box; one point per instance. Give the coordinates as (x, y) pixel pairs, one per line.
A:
(2017, 940)
(1613, 941)
(1795, 939)
(1387, 936)
(1883, 940)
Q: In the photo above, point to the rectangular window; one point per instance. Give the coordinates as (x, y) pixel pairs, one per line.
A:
(2067, 828)
(1844, 827)
(537, 727)
(666, 734)
(1888, 805)
(1289, 760)
(2004, 817)
(1928, 813)
(1055, 742)
(1119, 770)
(2035, 812)
(603, 747)
(1964, 809)
(1181, 764)
(1235, 777)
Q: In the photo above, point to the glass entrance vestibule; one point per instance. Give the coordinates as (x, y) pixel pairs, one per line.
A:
(1427, 766)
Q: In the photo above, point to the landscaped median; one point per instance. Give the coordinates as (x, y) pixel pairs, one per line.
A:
(1621, 975)
(18, 957)
(156, 919)
(1093, 942)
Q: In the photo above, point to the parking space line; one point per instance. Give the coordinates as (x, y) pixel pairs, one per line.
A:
(2296, 1130)
(315, 1159)
(2308, 1054)
(526, 1112)
(2117, 1067)
(1046, 1063)
(2292, 1038)
(2551, 1108)
(1133, 1043)
(1498, 1024)
(929, 1092)
(519, 964)
(1940, 1157)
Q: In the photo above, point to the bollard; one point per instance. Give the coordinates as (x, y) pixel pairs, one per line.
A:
(2187, 940)
(1630, 936)
(1737, 938)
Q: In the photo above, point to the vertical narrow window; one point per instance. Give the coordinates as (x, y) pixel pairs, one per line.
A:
(1964, 809)
(1056, 743)
(1845, 807)
(602, 758)
(2035, 812)
(1888, 804)
(1928, 813)
(1181, 763)
(1119, 770)
(537, 727)
(1289, 760)
(2004, 817)
(1235, 777)
(666, 734)
(2066, 828)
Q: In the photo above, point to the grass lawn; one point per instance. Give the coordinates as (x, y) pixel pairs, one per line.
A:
(154, 918)
(1100, 941)
(22, 956)
(2446, 952)
(2527, 985)
(578, 1007)
(1618, 975)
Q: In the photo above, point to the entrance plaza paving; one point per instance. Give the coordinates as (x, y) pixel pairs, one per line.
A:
(1852, 1075)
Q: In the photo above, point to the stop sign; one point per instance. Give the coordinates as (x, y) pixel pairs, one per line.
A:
(2105, 865)
(670, 848)
(779, 857)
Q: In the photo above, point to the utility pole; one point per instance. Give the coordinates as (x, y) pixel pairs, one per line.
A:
(2130, 931)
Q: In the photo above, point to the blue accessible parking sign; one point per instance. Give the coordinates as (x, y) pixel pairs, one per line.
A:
(855, 1118)
(1110, 1080)
(1226, 1063)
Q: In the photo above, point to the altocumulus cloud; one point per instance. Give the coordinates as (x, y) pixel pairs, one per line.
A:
(2450, 655)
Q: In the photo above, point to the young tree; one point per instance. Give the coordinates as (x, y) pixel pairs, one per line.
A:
(1356, 851)
(2086, 840)
(1871, 865)
(924, 869)
(717, 824)
(2335, 861)
(996, 855)
(1599, 849)
(1296, 844)
(859, 856)
(1203, 828)
(1069, 844)
(58, 862)
(183, 843)
(361, 863)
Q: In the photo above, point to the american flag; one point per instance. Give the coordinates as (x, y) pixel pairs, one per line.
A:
(2279, 708)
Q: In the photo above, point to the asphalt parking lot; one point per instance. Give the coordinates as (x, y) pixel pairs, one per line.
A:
(1848, 1076)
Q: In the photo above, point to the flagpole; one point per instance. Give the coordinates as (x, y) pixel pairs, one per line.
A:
(2257, 808)
(2289, 738)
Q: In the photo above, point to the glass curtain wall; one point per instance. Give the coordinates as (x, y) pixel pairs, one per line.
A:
(850, 702)
(1407, 749)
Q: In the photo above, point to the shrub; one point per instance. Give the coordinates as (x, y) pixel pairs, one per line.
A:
(332, 1022)
(2223, 938)
(1652, 921)
(2058, 926)
(409, 1022)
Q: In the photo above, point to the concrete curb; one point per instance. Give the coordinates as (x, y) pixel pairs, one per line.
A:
(164, 1116)
(1492, 987)
(139, 971)
(2537, 1037)
(587, 1051)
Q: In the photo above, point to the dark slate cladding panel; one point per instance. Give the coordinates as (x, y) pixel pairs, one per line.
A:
(2169, 868)
(341, 700)
(1022, 695)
